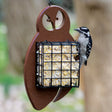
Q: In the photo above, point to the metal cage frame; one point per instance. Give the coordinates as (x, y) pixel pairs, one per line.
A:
(41, 55)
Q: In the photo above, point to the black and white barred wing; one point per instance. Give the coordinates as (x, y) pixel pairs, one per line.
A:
(89, 47)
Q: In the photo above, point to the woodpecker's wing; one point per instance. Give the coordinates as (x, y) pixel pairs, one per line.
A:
(89, 46)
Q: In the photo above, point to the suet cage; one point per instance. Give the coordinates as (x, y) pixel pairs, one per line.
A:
(56, 64)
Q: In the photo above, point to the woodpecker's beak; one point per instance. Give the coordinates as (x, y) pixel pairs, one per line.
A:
(78, 30)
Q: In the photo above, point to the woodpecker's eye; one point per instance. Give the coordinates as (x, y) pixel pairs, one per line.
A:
(84, 29)
(59, 20)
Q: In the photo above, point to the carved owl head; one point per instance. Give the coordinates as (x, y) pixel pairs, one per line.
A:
(53, 18)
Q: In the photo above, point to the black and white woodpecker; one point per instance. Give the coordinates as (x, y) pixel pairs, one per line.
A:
(85, 41)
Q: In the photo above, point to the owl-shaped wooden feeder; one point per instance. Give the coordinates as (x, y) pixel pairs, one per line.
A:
(51, 66)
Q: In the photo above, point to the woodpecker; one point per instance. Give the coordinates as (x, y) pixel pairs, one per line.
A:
(85, 41)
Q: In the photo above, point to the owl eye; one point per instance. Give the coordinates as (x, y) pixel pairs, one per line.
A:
(59, 20)
(47, 23)
(48, 20)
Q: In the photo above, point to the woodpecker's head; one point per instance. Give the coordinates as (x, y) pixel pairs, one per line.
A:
(84, 31)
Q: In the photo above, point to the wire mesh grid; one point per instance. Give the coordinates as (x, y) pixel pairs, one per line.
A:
(56, 65)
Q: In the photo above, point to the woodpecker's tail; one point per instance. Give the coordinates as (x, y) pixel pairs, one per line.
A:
(85, 63)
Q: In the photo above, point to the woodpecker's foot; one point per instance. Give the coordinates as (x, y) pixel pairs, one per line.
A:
(77, 48)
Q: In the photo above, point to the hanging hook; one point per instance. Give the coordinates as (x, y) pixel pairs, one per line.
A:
(50, 3)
